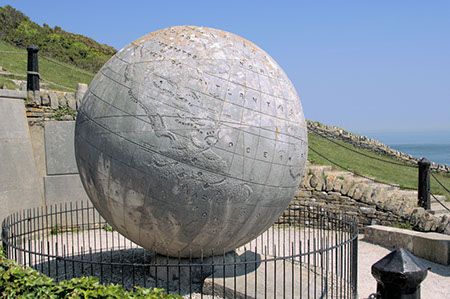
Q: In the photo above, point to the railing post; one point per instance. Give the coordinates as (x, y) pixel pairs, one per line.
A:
(424, 184)
(399, 275)
(355, 263)
(33, 69)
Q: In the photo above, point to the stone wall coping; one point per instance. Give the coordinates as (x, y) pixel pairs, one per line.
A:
(15, 94)
(431, 246)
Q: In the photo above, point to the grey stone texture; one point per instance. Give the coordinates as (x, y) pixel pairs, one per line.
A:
(59, 145)
(371, 202)
(54, 102)
(63, 188)
(18, 176)
(79, 94)
(13, 94)
(430, 246)
(71, 102)
(191, 137)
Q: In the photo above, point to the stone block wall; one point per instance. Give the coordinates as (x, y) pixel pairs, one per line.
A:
(43, 104)
(370, 203)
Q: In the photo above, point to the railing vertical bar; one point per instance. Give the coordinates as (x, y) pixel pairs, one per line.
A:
(179, 272)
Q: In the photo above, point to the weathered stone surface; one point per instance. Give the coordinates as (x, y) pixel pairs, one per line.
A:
(190, 166)
(338, 185)
(333, 196)
(303, 193)
(67, 117)
(367, 193)
(329, 182)
(443, 224)
(431, 246)
(308, 181)
(352, 190)
(54, 103)
(368, 211)
(416, 215)
(79, 94)
(319, 195)
(35, 112)
(60, 153)
(314, 182)
(359, 191)
(71, 102)
(13, 94)
(45, 99)
(346, 185)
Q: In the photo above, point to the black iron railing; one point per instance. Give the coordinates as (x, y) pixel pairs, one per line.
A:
(309, 253)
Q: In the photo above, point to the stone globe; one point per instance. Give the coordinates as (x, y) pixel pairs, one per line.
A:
(191, 139)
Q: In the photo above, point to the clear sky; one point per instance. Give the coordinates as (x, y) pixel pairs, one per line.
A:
(361, 65)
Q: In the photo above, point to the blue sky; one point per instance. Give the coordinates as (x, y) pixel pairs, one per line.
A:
(361, 65)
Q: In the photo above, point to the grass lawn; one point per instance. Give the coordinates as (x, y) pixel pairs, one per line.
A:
(17, 63)
(384, 172)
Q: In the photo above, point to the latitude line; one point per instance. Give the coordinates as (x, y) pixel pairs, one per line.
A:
(172, 158)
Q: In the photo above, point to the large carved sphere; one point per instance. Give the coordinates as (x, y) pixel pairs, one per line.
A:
(191, 138)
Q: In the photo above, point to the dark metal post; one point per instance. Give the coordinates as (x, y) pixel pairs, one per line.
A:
(33, 69)
(424, 184)
(399, 275)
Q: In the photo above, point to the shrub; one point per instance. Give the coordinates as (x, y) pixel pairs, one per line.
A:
(17, 281)
(81, 51)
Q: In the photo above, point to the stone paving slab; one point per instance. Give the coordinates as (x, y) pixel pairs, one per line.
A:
(299, 281)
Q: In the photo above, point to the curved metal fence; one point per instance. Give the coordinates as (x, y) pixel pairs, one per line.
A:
(308, 253)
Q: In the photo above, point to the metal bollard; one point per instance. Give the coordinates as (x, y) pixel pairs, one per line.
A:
(424, 184)
(399, 275)
(33, 69)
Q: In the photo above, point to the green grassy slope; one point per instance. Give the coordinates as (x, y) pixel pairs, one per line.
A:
(84, 52)
(384, 172)
(17, 63)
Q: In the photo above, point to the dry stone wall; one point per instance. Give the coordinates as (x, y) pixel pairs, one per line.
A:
(42, 105)
(369, 144)
(371, 203)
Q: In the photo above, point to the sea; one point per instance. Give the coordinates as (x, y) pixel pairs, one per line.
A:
(433, 145)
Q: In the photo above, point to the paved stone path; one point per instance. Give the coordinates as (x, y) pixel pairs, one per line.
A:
(436, 285)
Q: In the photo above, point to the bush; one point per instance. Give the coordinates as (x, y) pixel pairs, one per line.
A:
(81, 51)
(17, 281)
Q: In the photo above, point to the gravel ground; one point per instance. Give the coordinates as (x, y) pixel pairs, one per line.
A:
(436, 285)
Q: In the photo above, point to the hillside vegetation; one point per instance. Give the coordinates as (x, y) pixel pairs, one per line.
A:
(18, 30)
(17, 64)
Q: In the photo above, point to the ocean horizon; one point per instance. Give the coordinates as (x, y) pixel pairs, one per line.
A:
(433, 145)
